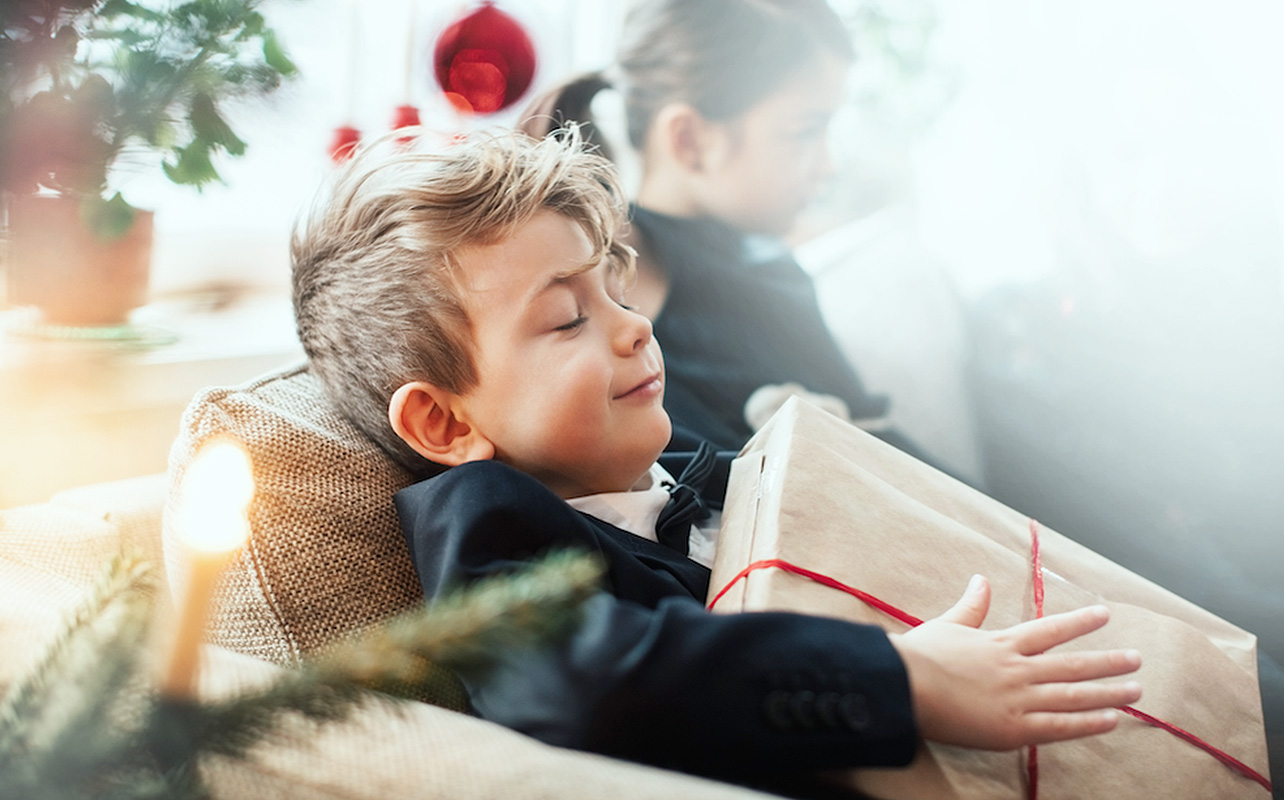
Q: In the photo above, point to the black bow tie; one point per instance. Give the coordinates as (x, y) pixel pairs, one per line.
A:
(673, 526)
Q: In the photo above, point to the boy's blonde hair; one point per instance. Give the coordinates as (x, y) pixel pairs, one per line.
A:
(376, 295)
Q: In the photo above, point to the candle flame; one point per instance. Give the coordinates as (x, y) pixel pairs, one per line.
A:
(214, 498)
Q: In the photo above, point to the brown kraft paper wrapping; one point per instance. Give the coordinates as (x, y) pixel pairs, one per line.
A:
(815, 492)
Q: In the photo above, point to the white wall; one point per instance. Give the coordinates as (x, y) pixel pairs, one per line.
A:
(1155, 126)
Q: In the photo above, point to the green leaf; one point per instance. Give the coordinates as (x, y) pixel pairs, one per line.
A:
(94, 95)
(138, 80)
(113, 7)
(275, 55)
(209, 126)
(108, 219)
(65, 41)
(155, 72)
(254, 25)
(193, 167)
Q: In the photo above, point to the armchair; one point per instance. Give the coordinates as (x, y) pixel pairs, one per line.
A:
(325, 561)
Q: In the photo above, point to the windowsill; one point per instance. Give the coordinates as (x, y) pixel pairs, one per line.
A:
(78, 410)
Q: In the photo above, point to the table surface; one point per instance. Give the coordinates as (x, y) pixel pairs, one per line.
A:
(78, 408)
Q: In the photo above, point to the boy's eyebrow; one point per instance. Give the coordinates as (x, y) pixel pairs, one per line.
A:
(562, 278)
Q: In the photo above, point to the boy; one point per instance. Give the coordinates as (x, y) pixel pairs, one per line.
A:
(467, 310)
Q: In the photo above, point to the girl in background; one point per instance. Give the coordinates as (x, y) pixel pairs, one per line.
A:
(728, 104)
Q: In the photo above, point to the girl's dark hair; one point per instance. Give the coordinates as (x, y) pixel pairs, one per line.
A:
(719, 56)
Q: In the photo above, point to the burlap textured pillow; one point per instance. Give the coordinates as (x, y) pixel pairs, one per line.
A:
(326, 558)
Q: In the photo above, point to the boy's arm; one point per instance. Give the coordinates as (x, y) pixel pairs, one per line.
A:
(650, 675)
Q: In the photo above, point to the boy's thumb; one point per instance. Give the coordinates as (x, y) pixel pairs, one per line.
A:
(972, 607)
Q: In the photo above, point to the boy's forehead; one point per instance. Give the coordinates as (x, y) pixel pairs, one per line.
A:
(547, 250)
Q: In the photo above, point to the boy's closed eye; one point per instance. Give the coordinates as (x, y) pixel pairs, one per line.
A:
(558, 310)
(579, 320)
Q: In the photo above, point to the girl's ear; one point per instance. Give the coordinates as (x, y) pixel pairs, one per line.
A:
(425, 417)
(684, 136)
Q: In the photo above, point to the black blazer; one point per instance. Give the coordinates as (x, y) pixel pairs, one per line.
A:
(650, 675)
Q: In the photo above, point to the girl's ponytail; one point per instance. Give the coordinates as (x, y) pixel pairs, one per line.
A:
(571, 101)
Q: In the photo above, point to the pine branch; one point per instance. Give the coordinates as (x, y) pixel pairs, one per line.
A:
(127, 583)
(85, 723)
(66, 731)
(469, 631)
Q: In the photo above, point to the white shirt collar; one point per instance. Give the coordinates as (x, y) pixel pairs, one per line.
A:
(637, 510)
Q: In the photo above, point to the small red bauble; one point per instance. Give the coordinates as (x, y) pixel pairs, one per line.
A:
(484, 61)
(405, 117)
(344, 143)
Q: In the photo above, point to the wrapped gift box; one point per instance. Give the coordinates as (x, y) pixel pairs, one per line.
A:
(823, 518)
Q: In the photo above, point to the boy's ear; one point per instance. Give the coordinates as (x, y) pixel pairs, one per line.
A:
(426, 418)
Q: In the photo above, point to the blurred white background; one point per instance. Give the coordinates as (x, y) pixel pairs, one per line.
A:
(1029, 136)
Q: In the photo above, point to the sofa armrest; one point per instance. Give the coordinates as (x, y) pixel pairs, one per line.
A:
(132, 507)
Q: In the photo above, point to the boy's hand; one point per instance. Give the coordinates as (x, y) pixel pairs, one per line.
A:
(999, 690)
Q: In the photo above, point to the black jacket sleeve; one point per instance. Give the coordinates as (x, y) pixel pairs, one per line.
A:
(650, 675)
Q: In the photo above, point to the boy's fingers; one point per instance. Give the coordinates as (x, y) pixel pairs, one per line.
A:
(1083, 666)
(1069, 697)
(972, 607)
(1051, 726)
(1038, 635)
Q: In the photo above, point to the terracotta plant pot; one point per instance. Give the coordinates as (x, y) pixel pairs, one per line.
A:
(74, 277)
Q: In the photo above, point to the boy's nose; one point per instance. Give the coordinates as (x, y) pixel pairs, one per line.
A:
(633, 332)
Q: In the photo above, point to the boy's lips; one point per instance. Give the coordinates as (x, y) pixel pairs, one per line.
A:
(652, 385)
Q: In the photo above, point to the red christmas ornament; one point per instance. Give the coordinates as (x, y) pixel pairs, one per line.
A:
(484, 61)
(344, 143)
(405, 117)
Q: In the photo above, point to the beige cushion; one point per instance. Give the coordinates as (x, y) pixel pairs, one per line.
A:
(326, 558)
(47, 557)
(51, 552)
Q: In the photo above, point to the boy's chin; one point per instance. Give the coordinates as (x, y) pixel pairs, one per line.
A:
(663, 434)
(641, 464)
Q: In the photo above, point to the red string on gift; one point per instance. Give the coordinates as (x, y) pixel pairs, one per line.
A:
(1032, 765)
(1225, 758)
(1036, 581)
(868, 599)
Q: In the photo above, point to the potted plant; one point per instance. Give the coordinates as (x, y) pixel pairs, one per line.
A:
(92, 88)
